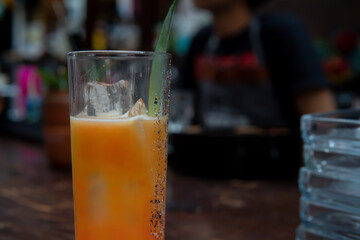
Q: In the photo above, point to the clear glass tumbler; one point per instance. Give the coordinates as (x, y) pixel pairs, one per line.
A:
(330, 180)
(119, 124)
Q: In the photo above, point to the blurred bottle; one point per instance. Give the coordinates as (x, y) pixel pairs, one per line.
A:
(124, 34)
(28, 35)
(181, 111)
(34, 103)
(28, 95)
(5, 90)
(99, 36)
(187, 21)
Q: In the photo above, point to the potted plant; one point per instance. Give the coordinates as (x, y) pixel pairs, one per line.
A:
(56, 117)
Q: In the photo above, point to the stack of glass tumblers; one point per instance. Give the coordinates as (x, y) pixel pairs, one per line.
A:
(330, 181)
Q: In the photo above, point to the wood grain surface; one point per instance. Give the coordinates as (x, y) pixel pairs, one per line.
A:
(36, 202)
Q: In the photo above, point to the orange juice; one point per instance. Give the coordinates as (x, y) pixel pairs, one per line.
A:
(119, 177)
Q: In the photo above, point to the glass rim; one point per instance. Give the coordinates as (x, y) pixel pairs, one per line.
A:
(329, 116)
(114, 54)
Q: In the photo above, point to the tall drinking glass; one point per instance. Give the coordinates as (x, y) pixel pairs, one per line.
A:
(119, 143)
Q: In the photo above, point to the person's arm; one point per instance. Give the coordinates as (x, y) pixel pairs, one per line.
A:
(313, 101)
(296, 66)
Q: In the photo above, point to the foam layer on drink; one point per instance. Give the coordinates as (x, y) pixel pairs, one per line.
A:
(113, 118)
(138, 109)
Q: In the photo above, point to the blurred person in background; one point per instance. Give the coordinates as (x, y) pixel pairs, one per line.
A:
(252, 70)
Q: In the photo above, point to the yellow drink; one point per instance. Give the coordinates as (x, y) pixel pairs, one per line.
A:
(119, 177)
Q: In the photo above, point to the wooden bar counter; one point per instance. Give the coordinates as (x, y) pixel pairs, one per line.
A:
(36, 202)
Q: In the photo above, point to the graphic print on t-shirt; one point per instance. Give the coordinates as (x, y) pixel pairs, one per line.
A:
(230, 69)
(235, 91)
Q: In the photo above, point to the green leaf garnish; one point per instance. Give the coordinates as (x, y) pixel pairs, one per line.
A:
(156, 75)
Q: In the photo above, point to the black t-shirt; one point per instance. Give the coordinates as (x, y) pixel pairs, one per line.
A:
(257, 71)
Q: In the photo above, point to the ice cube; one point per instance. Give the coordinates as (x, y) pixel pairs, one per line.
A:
(102, 98)
(138, 109)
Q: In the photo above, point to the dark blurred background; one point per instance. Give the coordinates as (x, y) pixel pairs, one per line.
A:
(36, 36)
(35, 192)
